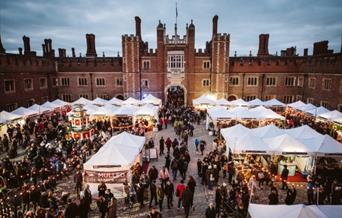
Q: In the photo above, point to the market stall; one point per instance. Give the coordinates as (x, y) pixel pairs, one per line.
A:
(204, 102)
(146, 117)
(113, 162)
(132, 101)
(150, 99)
(99, 101)
(123, 117)
(294, 211)
(115, 101)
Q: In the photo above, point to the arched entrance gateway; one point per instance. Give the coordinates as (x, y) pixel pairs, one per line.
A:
(175, 95)
(232, 97)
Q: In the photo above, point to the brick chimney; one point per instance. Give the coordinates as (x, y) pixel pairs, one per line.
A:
(2, 49)
(138, 26)
(305, 52)
(44, 50)
(215, 19)
(61, 53)
(263, 44)
(320, 48)
(91, 51)
(20, 51)
(27, 47)
(73, 52)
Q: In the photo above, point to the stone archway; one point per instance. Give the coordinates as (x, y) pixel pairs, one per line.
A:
(178, 93)
(232, 97)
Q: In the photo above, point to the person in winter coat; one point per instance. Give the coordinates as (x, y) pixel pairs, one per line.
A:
(273, 197)
(112, 208)
(187, 201)
(103, 206)
(160, 196)
(291, 195)
(179, 192)
(192, 185)
(71, 210)
(153, 193)
(169, 190)
(210, 212)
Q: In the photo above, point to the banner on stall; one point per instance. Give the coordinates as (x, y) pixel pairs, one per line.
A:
(106, 177)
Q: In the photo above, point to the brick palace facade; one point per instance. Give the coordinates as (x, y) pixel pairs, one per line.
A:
(26, 78)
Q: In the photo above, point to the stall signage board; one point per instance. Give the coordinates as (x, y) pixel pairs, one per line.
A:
(106, 177)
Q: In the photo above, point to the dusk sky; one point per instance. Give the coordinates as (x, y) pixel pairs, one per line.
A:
(297, 23)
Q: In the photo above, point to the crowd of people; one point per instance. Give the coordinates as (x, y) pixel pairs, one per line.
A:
(29, 184)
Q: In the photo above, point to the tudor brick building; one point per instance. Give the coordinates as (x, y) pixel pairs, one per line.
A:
(26, 78)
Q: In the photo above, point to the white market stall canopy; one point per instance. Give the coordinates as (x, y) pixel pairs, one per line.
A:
(7, 117)
(274, 103)
(39, 108)
(115, 101)
(238, 103)
(126, 110)
(50, 105)
(222, 102)
(147, 110)
(297, 105)
(60, 103)
(303, 140)
(333, 116)
(317, 111)
(132, 101)
(150, 99)
(99, 101)
(268, 131)
(21, 111)
(83, 101)
(294, 211)
(256, 102)
(204, 100)
(219, 113)
(120, 151)
(307, 107)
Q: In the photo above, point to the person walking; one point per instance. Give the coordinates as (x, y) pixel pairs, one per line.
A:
(291, 195)
(169, 190)
(210, 212)
(112, 208)
(174, 168)
(153, 193)
(187, 201)
(179, 192)
(161, 146)
(197, 142)
(284, 177)
(160, 196)
(164, 176)
(192, 185)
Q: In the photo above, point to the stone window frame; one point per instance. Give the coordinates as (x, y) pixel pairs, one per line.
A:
(46, 83)
(145, 83)
(275, 81)
(146, 64)
(324, 103)
(66, 80)
(293, 83)
(232, 78)
(251, 79)
(83, 80)
(11, 107)
(206, 65)
(97, 79)
(119, 81)
(323, 84)
(310, 100)
(28, 89)
(286, 99)
(9, 91)
(205, 82)
(314, 82)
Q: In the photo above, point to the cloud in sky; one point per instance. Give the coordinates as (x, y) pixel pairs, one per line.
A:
(290, 23)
